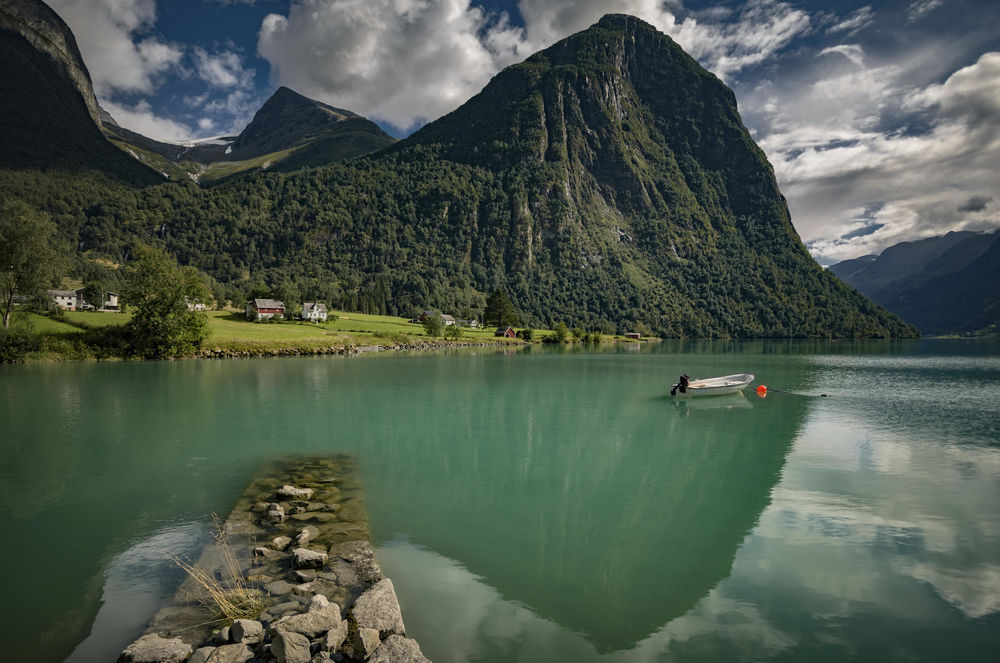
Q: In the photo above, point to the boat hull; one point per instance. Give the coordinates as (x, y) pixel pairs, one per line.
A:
(726, 384)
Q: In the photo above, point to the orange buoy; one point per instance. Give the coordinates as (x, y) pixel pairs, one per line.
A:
(762, 391)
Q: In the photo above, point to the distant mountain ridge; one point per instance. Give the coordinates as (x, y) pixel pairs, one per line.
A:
(318, 133)
(949, 283)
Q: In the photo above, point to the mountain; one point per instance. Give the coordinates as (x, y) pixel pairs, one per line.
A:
(606, 182)
(289, 132)
(49, 116)
(949, 283)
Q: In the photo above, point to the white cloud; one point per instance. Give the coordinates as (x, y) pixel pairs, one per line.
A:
(223, 69)
(110, 34)
(408, 61)
(920, 8)
(141, 118)
(405, 61)
(854, 23)
(852, 52)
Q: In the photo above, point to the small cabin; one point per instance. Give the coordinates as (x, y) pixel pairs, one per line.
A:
(507, 332)
(110, 301)
(633, 335)
(315, 311)
(259, 309)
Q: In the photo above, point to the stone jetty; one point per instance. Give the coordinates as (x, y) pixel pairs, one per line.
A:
(300, 540)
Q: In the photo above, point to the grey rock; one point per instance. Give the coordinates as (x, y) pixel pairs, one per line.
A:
(275, 514)
(266, 553)
(378, 608)
(318, 602)
(280, 542)
(153, 648)
(259, 507)
(310, 624)
(293, 493)
(236, 653)
(246, 631)
(315, 516)
(322, 657)
(303, 558)
(201, 655)
(397, 649)
(305, 575)
(305, 535)
(366, 642)
(221, 637)
(290, 648)
(296, 510)
(335, 636)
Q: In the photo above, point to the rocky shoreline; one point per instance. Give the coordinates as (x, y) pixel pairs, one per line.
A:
(301, 351)
(300, 534)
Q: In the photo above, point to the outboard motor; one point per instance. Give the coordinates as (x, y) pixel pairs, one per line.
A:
(682, 385)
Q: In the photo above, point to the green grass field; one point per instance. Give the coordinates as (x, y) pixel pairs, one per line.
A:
(229, 330)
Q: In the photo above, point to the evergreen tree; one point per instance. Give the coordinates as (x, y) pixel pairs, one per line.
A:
(500, 311)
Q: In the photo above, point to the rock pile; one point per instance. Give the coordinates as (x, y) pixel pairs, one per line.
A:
(327, 599)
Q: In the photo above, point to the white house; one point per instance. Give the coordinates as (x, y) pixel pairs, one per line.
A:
(315, 311)
(67, 299)
(111, 301)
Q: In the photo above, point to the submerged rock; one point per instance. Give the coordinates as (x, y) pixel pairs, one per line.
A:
(275, 514)
(153, 648)
(294, 493)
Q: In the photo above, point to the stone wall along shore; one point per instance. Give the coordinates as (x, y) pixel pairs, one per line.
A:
(301, 539)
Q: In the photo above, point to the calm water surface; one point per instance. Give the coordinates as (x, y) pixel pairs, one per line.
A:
(541, 506)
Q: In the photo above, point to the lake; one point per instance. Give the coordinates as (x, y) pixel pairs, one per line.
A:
(540, 505)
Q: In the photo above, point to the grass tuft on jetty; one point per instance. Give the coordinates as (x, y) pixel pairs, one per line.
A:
(227, 592)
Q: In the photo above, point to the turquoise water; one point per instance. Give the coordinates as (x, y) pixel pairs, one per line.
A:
(541, 506)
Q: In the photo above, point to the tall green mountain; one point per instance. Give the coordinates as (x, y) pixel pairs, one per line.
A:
(289, 132)
(949, 283)
(606, 181)
(48, 113)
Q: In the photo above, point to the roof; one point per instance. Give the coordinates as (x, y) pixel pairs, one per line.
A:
(267, 303)
(448, 317)
(61, 293)
(314, 306)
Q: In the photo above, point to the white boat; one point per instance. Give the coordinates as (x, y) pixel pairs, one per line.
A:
(727, 384)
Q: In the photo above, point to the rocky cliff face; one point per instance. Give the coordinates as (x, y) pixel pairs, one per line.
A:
(42, 28)
(49, 118)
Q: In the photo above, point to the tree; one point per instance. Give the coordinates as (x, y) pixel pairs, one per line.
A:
(452, 331)
(434, 325)
(93, 293)
(500, 311)
(157, 291)
(30, 256)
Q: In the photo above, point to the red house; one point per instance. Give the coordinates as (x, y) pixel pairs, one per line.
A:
(258, 309)
(505, 331)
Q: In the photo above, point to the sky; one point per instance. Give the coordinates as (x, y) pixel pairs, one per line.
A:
(881, 119)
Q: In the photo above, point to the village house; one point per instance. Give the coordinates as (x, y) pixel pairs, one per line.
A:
(315, 311)
(633, 335)
(505, 331)
(259, 309)
(194, 305)
(110, 301)
(69, 300)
